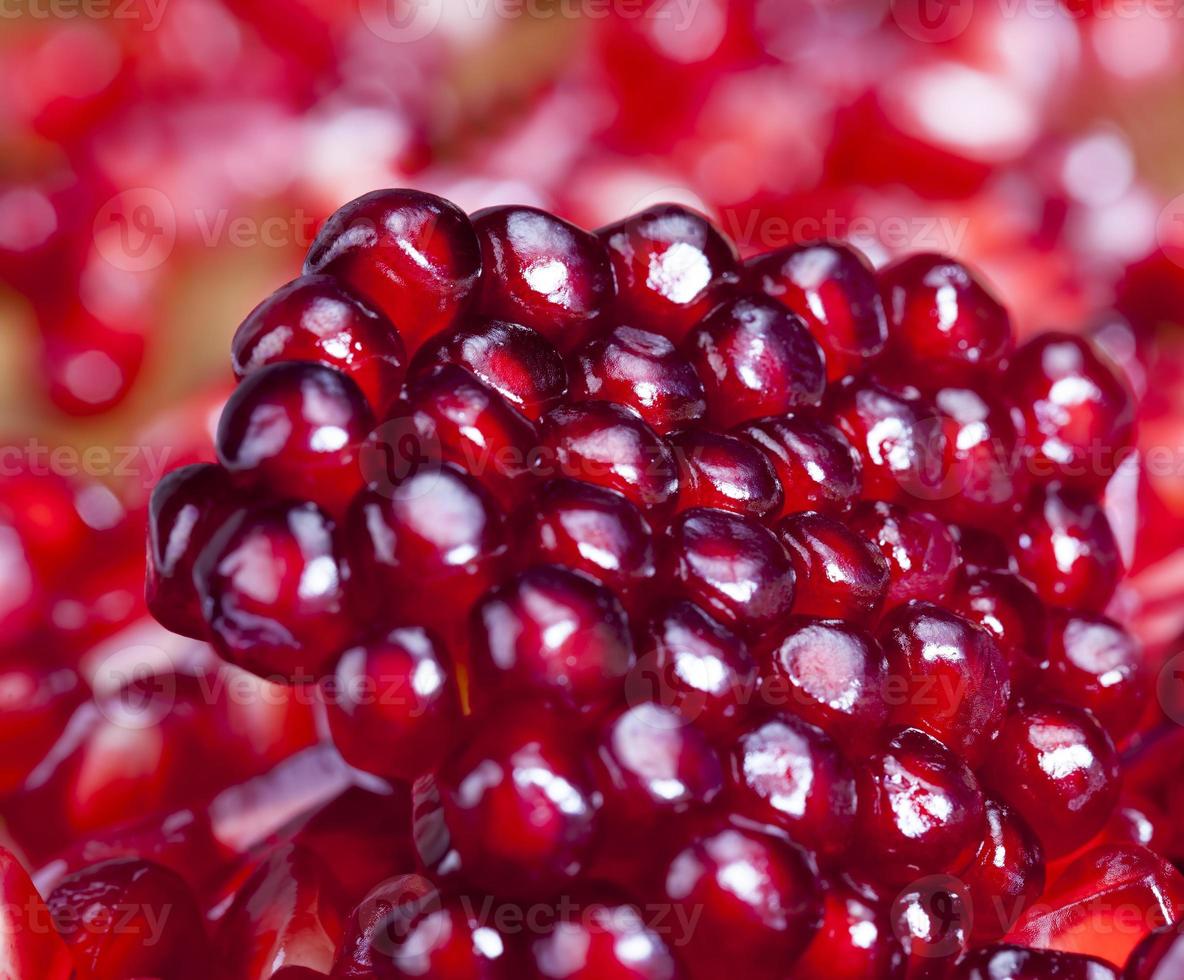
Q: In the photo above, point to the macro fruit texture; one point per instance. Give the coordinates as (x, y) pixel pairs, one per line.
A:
(725, 618)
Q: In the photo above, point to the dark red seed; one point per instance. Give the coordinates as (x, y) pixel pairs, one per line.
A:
(815, 464)
(920, 810)
(725, 472)
(608, 445)
(692, 664)
(671, 265)
(553, 632)
(606, 941)
(1006, 607)
(542, 272)
(294, 430)
(1094, 663)
(855, 940)
(940, 315)
(1079, 415)
(832, 675)
(315, 318)
(517, 802)
(758, 900)
(642, 371)
(393, 704)
(1058, 768)
(588, 529)
(518, 363)
(1064, 547)
(733, 566)
(413, 255)
(922, 555)
(946, 677)
(787, 773)
(833, 288)
(187, 507)
(838, 573)
(1006, 876)
(756, 359)
(273, 591)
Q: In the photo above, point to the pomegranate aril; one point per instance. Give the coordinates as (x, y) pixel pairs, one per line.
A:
(272, 585)
(294, 429)
(603, 941)
(607, 445)
(838, 574)
(1138, 820)
(542, 272)
(946, 677)
(1004, 962)
(413, 255)
(1006, 876)
(855, 939)
(733, 566)
(689, 662)
(920, 812)
(931, 918)
(588, 529)
(987, 480)
(31, 946)
(1058, 768)
(941, 316)
(439, 529)
(37, 700)
(1064, 546)
(756, 360)
(1007, 608)
(315, 318)
(518, 363)
(551, 632)
(392, 704)
(1104, 903)
(186, 509)
(833, 676)
(1079, 416)
(130, 918)
(833, 288)
(449, 415)
(725, 472)
(815, 464)
(758, 897)
(787, 773)
(642, 371)
(670, 265)
(514, 809)
(899, 436)
(1093, 663)
(653, 764)
(922, 554)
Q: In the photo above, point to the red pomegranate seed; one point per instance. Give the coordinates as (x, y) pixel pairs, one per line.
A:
(855, 940)
(642, 371)
(756, 359)
(922, 554)
(833, 288)
(413, 255)
(518, 363)
(31, 947)
(725, 472)
(838, 573)
(1006, 876)
(542, 272)
(605, 941)
(315, 318)
(1018, 963)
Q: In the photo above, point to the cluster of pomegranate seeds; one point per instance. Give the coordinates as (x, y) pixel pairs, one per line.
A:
(682, 617)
